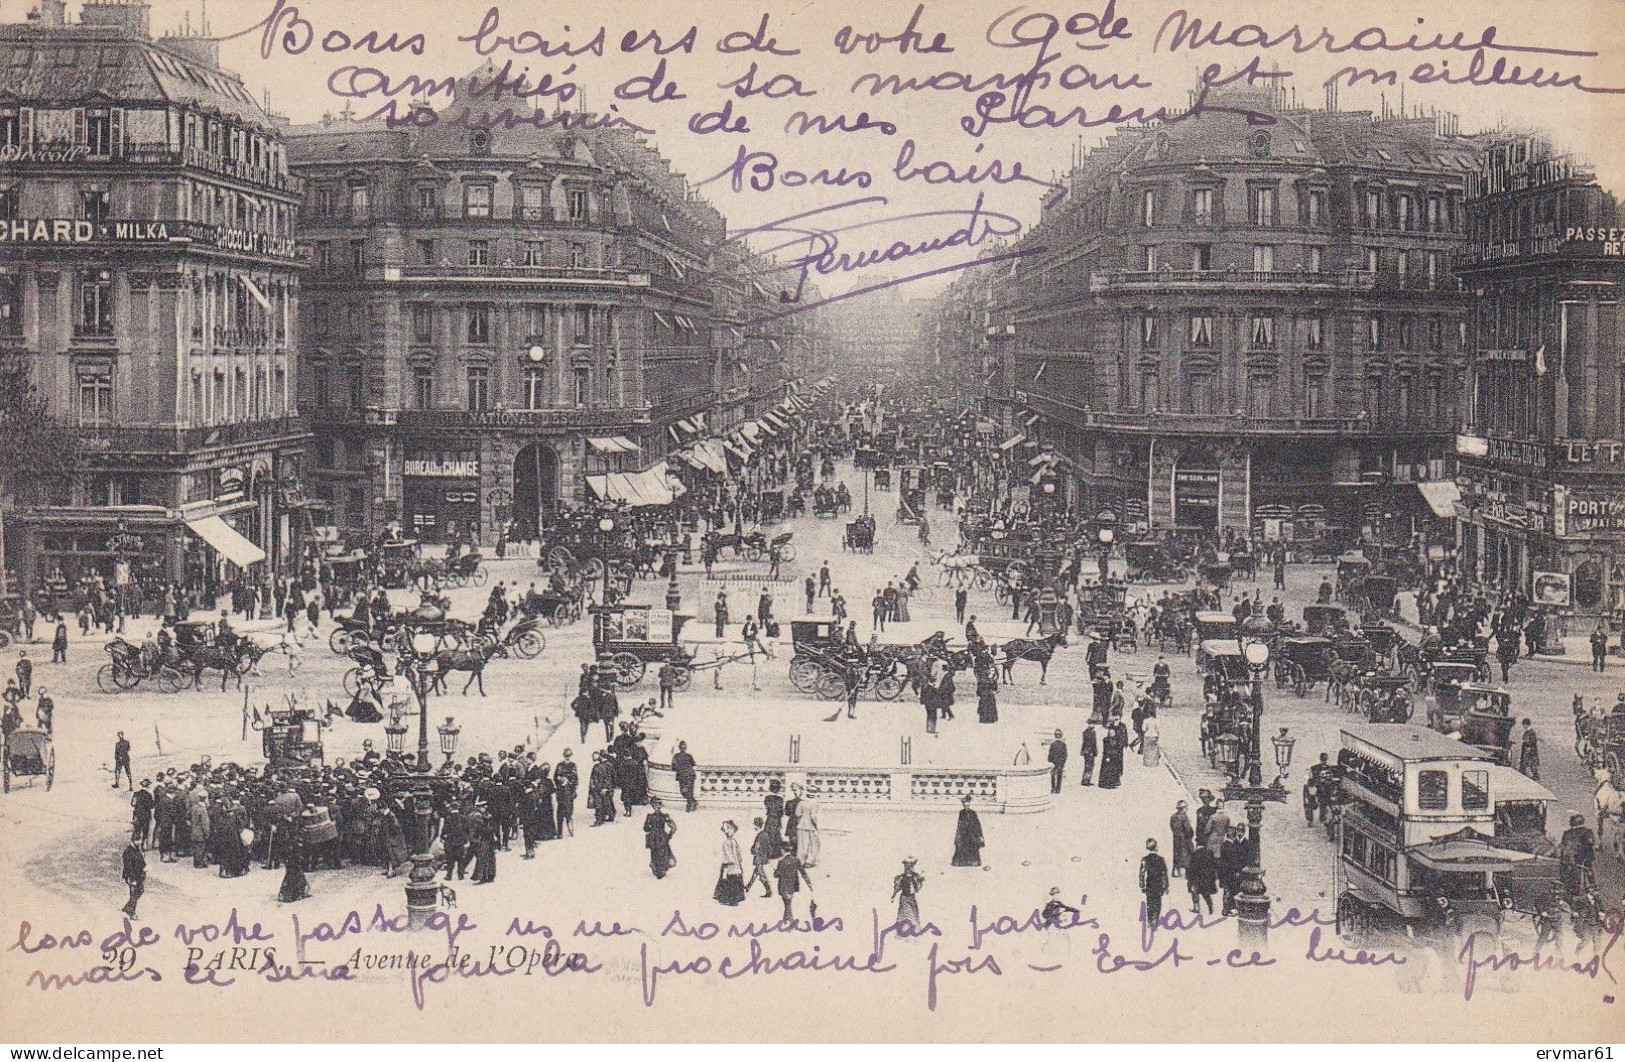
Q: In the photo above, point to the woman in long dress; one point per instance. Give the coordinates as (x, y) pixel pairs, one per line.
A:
(294, 885)
(1179, 823)
(987, 695)
(968, 836)
(485, 851)
(1111, 759)
(730, 890)
(547, 828)
(1150, 737)
(807, 839)
(394, 842)
(906, 890)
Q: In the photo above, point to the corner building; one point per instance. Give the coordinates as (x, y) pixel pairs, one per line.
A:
(495, 314)
(1235, 322)
(149, 277)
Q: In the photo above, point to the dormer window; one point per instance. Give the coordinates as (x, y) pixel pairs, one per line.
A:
(477, 200)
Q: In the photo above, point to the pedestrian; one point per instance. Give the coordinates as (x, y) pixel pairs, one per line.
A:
(1232, 861)
(1184, 837)
(121, 760)
(730, 888)
(961, 598)
(59, 644)
(1202, 878)
(683, 766)
(1217, 829)
(25, 672)
(812, 593)
(142, 803)
(906, 891)
(585, 711)
(877, 607)
(658, 830)
(968, 839)
(1529, 752)
(1057, 762)
(761, 854)
(1088, 751)
(1150, 738)
(773, 817)
(808, 841)
(721, 611)
(44, 709)
(824, 587)
(566, 780)
(135, 875)
(668, 684)
(1153, 882)
(790, 872)
(1599, 649)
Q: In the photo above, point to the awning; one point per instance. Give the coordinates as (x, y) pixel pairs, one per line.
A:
(254, 291)
(771, 418)
(1506, 783)
(1045, 458)
(765, 425)
(1467, 853)
(1441, 496)
(612, 445)
(1012, 442)
(742, 452)
(226, 541)
(627, 445)
(750, 430)
(708, 455)
(599, 485)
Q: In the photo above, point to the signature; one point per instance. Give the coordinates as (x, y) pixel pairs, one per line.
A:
(813, 241)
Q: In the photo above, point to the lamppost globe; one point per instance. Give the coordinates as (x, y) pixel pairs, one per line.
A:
(1105, 535)
(424, 644)
(606, 525)
(1257, 654)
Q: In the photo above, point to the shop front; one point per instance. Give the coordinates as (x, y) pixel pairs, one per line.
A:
(1589, 545)
(441, 494)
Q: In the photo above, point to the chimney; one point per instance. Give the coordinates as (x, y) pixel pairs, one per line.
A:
(133, 19)
(50, 13)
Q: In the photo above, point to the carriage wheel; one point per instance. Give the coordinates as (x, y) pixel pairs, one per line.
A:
(1611, 760)
(530, 645)
(50, 769)
(831, 687)
(593, 570)
(1001, 593)
(888, 688)
(171, 679)
(341, 640)
(456, 579)
(753, 553)
(982, 579)
(107, 678)
(628, 668)
(804, 675)
(479, 576)
(787, 552)
(561, 615)
(683, 679)
(352, 681)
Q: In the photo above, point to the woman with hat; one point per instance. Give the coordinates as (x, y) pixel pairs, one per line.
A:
(658, 830)
(292, 856)
(967, 836)
(906, 890)
(730, 889)
(393, 835)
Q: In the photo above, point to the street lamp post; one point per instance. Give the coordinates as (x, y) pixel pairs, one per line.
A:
(606, 527)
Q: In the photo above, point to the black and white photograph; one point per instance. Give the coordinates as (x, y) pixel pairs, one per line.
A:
(910, 522)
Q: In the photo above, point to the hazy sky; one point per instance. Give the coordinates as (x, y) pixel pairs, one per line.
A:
(1589, 123)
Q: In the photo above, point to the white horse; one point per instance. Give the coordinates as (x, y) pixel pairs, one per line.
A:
(956, 567)
(278, 641)
(1610, 808)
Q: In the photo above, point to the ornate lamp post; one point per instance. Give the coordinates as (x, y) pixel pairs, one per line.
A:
(1105, 535)
(395, 733)
(422, 892)
(1255, 635)
(420, 668)
(449, 733)
(606, 527)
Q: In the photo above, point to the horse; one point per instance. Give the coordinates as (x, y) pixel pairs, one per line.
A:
(235, 661)
(956, 567)
(472, 660)
(267, 642)
(1610, 803)
(1040, 649)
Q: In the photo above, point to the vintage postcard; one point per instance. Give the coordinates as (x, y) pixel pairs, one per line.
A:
(921, 520)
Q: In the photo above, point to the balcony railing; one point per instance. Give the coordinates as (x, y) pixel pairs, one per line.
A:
(110, 439)
(575, 274)
(1212, 279)
(241, 169)
(1199, 423)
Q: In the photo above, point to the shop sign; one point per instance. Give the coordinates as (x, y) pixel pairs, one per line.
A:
(74, 230)
(437, 465)
(52, 152)
(1551, 588)
(1607, 242)
(1517, 452)
(1600, 454)
(1583, 513)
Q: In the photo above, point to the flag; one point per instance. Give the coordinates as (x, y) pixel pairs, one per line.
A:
(1540, 360)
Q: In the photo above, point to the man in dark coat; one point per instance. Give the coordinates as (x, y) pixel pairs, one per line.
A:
(1057, 762)
(683, 766)
(968, 839)
(141, 805)
(761, 854)
(1232, 860)
(601, 789)
(1576, 855)
(1153, 882)
(566, 781)
(121, 760)
(135, 875)
(454, 837)
(1088, 750)
(658, 830)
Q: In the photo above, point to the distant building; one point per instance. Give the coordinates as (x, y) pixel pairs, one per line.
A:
(1235, 323)
(1543, 447)
(497, 314)
(148, 273)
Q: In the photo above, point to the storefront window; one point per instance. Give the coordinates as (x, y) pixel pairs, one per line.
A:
(1588, 583)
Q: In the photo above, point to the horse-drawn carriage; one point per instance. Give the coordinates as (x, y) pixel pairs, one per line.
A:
(28, 754)
(1302, 662)
(821, 663)
(1223, 657)
(396, 562)
(129, 667)
(911, 494)
(1103, 609)
(631, 637)
(946, 480)
(1380, 697)
(1215, 626)
(1599, 740)
(1324, 620)
(860, 535)
(1154, 562)
(1215, 572)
